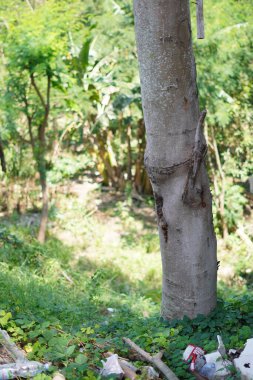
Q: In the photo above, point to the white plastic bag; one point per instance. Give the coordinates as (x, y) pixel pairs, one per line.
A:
(112, 367)
(245, 362)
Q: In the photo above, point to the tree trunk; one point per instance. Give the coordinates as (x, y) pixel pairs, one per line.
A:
(174, 157)
(39, 151)
(41, 164)
(2, 157)
(129, 154)
(44, 211)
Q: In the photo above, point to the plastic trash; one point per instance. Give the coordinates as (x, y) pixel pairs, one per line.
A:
(213, 366)
(222, 366)
(233, 354)
(149, 373)
(221, 347)
(26, 369)
(111, 310)
(199, 363)
(111, 368)
(208, 370)
(194, 355)
(232, 351)
(245, 362)
(21, 367)
(58, 376)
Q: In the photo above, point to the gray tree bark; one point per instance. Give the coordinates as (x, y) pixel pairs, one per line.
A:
(174, 157)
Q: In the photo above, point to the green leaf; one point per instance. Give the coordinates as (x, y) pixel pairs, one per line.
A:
(70, 350)
(84, 54)
(81, 359)
(5, 318)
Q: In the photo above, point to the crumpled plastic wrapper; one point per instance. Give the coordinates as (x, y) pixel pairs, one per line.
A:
(111, 367)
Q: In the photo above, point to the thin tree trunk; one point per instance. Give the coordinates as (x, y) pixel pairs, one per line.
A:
(41, 163)
(44, 211)
(40, 153)
(129, 154)
(174, 157)
(2, 157)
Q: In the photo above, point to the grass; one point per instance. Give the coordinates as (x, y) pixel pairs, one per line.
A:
(98, 278)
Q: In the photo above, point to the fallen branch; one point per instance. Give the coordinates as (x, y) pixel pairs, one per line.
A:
(129, 373)
(155, 360)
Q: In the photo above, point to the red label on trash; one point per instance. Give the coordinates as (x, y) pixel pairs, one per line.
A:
(191, 354)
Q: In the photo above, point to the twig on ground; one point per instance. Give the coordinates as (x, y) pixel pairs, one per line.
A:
(155, 360)
(67, 277)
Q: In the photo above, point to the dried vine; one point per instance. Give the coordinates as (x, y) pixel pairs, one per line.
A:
(161, 219)
(198, 155)
(166, 170)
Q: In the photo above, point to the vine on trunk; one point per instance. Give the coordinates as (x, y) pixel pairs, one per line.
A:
(161, 219)
(192, 195)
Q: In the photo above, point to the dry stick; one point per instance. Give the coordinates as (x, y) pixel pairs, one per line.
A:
(129, 373)
(155, 360)
(30, 5)
(200, 20)
(67, 277)
(15, 352)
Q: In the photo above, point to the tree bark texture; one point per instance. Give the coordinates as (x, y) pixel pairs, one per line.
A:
(174, 157)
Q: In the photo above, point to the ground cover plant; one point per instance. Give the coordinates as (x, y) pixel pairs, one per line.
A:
(70, 301)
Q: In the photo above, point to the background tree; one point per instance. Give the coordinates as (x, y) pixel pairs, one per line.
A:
(225, 78)
(38, 71)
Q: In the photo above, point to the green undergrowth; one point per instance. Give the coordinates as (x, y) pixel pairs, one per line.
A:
(97, 279)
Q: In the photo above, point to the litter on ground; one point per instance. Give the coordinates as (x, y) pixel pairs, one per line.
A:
(221, 364)
(14, 363)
